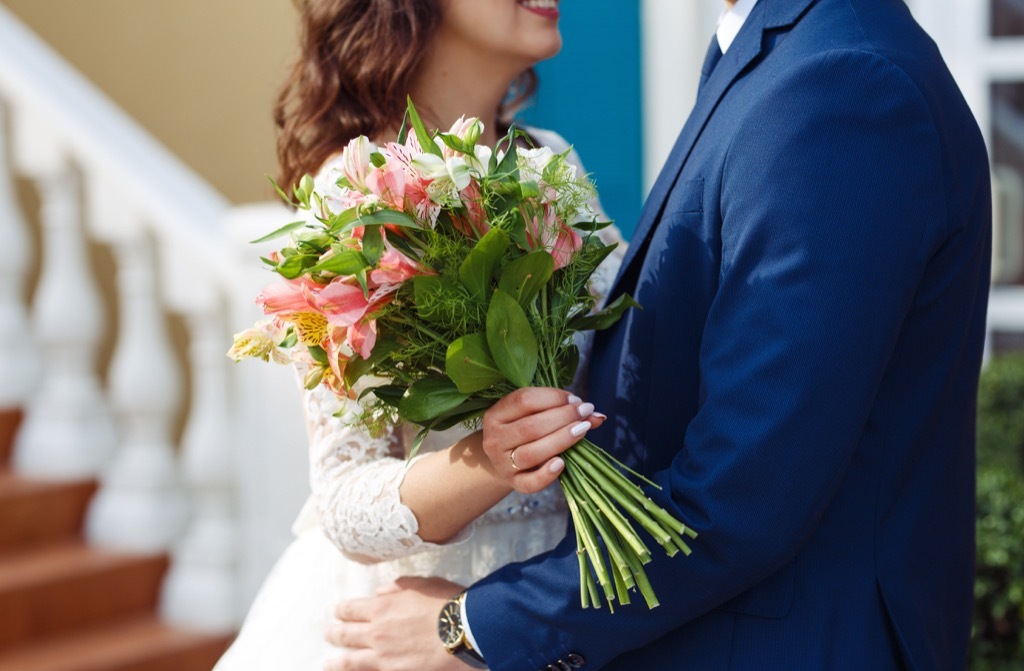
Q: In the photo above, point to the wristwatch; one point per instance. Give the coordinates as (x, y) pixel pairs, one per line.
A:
(453, 635)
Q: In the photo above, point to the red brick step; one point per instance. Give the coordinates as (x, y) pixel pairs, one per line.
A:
(33, 512)
(56, 589)
(142, 644)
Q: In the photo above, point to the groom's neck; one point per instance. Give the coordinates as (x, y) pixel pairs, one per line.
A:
(730, 3)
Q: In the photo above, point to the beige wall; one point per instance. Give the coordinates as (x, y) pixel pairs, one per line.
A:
(199, 74)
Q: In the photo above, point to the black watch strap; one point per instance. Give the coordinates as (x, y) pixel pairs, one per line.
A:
(470, 657)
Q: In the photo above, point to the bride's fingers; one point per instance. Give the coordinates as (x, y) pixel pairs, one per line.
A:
(547, 422)
(531, 482)
(499, 438)
(529, 455)
(527, 401)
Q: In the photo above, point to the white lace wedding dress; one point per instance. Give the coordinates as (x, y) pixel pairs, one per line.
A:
(354, 534)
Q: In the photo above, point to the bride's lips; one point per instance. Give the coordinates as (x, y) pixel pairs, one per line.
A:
(545, 8)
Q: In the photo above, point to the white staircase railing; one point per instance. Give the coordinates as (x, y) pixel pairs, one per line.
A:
(222, 500)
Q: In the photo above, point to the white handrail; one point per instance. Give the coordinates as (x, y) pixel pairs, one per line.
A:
(99, 135)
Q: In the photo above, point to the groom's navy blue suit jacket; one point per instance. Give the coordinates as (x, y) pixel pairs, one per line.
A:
(813, 267)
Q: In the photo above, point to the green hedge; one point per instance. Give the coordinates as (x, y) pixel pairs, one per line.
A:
(997, 642)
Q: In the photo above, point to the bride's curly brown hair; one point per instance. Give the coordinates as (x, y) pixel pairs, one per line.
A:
(355, 66)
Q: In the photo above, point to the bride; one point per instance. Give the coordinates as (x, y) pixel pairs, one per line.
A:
(375, 516)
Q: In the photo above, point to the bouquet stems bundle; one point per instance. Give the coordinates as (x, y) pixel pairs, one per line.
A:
(438, 275)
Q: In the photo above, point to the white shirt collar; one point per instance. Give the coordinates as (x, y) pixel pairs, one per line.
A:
(730, 22)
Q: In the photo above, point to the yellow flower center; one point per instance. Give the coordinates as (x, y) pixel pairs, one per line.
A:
(312, 327)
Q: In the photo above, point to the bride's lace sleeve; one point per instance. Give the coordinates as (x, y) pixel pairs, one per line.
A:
(355, 480)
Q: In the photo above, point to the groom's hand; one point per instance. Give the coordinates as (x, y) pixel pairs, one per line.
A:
(395, 630)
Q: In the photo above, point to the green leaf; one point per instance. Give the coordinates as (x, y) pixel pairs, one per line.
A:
(341, 221)
(373, 244)
(529, 189)
(466, 411)
(361, 279)
(477, 270)
(525, 276)
(417, 442)
(426, 142)
(318, 353)
(377, 159)
(511, 340)
(293, 266)
(393, 217)
(280, 192)
(568, 362)
(591, 226)
(284, 230)
(434, 297)
(509, 165)
(470, 365)
(602, 319)
(313, 241)
(403, 130)
(388, 393)
(346, 262)
(429, 398)
(403, 245)
(454, 142)
(358, 366)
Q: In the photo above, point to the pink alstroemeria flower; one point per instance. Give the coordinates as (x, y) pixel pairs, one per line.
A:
(472, 222)
(355, 162)
(362, 337)
(388, 184)
(545, 231)
(415, 192)
(395, 268)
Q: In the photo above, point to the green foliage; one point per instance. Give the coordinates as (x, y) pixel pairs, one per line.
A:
(1001, 412)
(997, 641)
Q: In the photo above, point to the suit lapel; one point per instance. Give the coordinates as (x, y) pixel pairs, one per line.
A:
(746, 48)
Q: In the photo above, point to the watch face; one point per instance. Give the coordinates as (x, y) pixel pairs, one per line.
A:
(449, 624)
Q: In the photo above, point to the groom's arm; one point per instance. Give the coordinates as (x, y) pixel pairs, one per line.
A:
(832, 202)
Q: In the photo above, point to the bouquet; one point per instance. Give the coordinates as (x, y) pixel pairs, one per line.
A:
(441, 275)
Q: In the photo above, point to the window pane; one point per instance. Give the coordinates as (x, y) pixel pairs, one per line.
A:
(1008, 172)
(1007, 18)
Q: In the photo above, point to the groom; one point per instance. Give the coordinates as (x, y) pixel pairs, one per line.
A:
(813, 264)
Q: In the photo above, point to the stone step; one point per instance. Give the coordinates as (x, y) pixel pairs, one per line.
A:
(140, 644)
(35, 512)
(55, 589)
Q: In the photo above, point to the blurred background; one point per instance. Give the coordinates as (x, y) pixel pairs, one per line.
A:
(146, 484)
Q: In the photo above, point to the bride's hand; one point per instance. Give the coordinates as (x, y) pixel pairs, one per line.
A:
(524, 433)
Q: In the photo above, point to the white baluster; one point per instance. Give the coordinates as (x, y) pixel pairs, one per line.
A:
(201, 589)
(19, 370)
(68, 431)
(139, 505)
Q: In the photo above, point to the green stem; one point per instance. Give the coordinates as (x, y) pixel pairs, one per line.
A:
(613, 480)
(667, 521)
(610, 510)
(573, 497)
(643, 584)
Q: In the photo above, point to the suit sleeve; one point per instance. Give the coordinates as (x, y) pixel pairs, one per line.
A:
(832, 198)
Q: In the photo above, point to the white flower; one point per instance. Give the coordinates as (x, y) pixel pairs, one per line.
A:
(261, 341)
(447, 177)
(533, 163)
